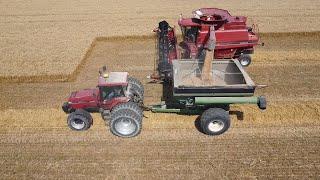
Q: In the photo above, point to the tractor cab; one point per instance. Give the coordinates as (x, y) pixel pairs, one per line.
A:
(113, 87)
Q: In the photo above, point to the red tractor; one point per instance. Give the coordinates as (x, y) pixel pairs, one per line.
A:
(117, 97)
(233, 38)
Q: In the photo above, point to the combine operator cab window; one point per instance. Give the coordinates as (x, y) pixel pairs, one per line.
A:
(108, 93)
(190, 33)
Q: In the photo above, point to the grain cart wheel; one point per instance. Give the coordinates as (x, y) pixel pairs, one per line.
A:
(79, 121)
(245, 60)
(136, 89)
(129, 107)
(215, 121)
(125, 124)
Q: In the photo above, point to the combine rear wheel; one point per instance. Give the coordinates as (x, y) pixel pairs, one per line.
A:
(215, 121)
(80, 120)
(126, 122)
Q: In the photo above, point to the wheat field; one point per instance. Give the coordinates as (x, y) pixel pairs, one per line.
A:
(47, 40)
(50, 48)
(281, 142)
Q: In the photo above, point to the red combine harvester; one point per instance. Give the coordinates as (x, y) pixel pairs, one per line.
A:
(233, 39)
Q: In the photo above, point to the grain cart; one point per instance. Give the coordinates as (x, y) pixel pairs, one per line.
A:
(117, 97)
(187, 93)
(234, 39)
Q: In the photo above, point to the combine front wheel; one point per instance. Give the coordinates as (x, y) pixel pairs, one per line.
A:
(245, 60)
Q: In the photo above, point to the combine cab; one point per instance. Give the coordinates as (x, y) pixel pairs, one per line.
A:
(233, 39)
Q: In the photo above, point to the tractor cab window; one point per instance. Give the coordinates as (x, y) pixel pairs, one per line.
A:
(190, 33)
(108, 93)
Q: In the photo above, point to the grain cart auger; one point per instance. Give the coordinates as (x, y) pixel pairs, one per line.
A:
(117, 97)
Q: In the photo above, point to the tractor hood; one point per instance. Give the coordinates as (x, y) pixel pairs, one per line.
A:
(85, 95)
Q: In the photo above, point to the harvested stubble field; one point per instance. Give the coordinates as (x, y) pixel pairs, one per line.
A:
(282, 142)
(52, 41)
(42, 40)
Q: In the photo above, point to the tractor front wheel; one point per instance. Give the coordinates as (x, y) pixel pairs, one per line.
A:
(215, 121)
(79, 120)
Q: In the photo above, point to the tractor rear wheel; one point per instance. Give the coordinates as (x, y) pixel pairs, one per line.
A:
(79, 120)
(215, 121)
(125, 123)
(136, 82)
(245, 60)
(136, 89)
(125, 108)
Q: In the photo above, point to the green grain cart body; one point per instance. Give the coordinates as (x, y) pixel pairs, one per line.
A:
(230, 84)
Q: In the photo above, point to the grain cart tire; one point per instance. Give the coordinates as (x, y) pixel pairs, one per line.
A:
(215, 121)
(125, 124)
(136, 89)
(245, 60)
(129, 107)
(78, 121)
